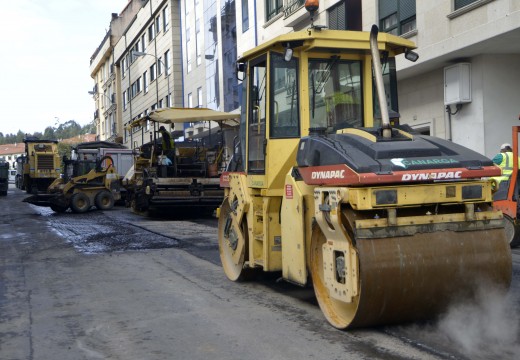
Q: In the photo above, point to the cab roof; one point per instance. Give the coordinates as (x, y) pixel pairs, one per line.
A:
(332, 41)
(184, 115)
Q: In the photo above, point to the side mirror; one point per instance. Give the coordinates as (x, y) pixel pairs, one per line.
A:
(241, 71)
(411, 55)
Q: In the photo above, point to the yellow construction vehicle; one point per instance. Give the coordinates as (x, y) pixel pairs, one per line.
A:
(41, 165)
(186, 176)
(390, 226)
(85, 183)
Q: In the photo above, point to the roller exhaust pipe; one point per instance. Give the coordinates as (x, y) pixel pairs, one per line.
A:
(376, 61)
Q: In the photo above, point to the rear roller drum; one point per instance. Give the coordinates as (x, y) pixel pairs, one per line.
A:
(408, 278)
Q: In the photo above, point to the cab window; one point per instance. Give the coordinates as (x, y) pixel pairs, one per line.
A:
(335, 94)
(284, 112)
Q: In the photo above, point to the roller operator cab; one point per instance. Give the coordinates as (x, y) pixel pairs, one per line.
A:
(389, 226)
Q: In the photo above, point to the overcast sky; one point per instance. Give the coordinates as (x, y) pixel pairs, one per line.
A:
(45, 58)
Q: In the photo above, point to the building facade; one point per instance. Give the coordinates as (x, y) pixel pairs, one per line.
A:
(462, 88)
(10, 152)
(107, 115)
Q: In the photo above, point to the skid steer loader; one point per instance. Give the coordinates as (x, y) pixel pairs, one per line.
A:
(388, 225)
(85, 183)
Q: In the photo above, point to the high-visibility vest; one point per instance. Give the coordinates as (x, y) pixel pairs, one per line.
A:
(507, 164)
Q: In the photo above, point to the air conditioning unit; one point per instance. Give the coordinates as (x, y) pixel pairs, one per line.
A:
(457, 84)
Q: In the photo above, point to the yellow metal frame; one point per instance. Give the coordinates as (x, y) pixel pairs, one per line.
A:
(261, 197)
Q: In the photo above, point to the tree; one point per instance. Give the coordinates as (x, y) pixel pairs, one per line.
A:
(49, 134)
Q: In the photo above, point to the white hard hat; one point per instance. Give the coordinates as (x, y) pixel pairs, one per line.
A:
(504, 146)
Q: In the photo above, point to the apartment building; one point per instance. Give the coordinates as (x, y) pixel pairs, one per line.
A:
(462, 88)
(137, 68)
(103, 71)
(464, 85)
(210, 52)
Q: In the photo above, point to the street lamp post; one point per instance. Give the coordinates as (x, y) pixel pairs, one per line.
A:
(94, 93)
(166, 73)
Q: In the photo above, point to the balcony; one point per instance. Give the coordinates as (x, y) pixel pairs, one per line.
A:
(198, 126)
(294, 12)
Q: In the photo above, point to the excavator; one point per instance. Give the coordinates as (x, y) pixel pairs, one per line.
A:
(388, 226)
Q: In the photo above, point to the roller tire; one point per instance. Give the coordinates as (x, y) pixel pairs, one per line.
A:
(104, 200)
(234, 270)
(512, 231)
(80, 203)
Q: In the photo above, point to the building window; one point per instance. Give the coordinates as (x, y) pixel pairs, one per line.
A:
(461, 3)
(159, 66)
(136, 88)
(160, 104)
(143, 45)
(146, 83)
(125, 99)
(153, 74)
(346, 15)
(166, 18)
(169, 100)
(199, 97)
(273, 8)
(135, 48)
(151, 32)
(190, 100)
(123, 67)
(167, 62)
(188, 50)
(198, 42)
(158, 24)
(397, 17)
(245, 15)
(189, 5)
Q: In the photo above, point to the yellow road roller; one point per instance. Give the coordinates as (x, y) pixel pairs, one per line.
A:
(325, 186)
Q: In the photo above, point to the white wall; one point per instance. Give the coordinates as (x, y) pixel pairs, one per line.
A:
(501, 100)
(421, 102)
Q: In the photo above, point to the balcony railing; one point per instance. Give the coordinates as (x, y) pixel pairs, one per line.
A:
(291, 6)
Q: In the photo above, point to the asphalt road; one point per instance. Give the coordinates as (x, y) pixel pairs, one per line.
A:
(113, 285)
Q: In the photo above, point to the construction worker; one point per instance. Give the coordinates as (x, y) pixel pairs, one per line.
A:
(504, 160)
(167, 141)
(168, 147)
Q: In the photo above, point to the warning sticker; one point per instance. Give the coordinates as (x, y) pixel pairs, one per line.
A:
(288, 192)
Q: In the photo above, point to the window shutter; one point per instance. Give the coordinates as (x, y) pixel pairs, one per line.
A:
(406, 9)
(338, 17)
(387, 7)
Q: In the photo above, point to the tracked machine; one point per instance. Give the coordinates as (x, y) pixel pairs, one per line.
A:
(388, 226)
